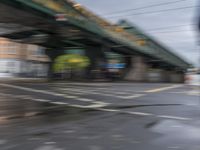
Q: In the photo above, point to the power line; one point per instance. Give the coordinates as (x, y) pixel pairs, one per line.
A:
(152, 12)
(169, 27)
(144, 7)
(172, 31)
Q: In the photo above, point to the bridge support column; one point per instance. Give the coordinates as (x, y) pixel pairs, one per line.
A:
(157, 75)
(97, 59)
(176, 77)
(52, 54)
(137, 70)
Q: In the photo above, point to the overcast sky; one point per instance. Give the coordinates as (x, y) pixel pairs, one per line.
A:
(182, 39)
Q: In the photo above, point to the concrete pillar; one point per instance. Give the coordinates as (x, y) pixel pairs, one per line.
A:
(96, 55)
(52, 53)
(138, 69)
(176, 77)
(157, 75)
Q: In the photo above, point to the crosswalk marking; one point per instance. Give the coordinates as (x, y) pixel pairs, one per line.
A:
(93, 103)
(102, 93)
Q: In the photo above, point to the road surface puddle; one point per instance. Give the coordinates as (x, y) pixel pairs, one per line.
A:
(177, 135)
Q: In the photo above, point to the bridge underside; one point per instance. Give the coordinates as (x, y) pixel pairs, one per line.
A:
(29, 26)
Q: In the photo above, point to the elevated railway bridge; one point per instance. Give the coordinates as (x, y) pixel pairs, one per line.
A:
(59, 25)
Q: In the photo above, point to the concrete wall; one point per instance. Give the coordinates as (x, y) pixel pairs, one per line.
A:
(176, 77)
(138, 70)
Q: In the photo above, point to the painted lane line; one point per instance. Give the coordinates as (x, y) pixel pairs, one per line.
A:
(144, 114)
(49, 143)
(59, 103)
(40, 100)
(76, 106)
(2, 141)
(28, 114)
(133, 96)
(173, 117)
(83, 84)
(139, 113)
(44, 92)
(104, 94)
(85, 100)
(100, 91)
(31, 89)
(23, 96)
(31, 114)
(87, 106)
(70, 96)
(26, 97)
(108, 110)
(163, 88)
(174, 147)
(3, 118)
(97, 104)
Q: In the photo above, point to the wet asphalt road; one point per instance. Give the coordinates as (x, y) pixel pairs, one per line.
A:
(99, 116)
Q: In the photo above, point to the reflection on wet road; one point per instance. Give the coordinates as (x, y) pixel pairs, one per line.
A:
(98, 116)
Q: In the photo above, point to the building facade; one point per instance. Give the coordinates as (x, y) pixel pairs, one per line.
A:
(22, 60)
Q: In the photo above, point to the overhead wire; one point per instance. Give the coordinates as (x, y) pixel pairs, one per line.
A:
(172, 31)
(152, 12)
(144, 7)
(170, 27)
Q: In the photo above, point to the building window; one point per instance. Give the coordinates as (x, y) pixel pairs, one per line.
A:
(40, 51)
(8, 48)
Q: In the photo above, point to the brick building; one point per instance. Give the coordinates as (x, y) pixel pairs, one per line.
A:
(25, 60)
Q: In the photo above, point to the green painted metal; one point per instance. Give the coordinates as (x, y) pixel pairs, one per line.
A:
(158, 50)
(80, 20)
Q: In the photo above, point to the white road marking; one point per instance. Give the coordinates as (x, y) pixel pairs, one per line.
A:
(23, 96)
(70, 96)
(173, 117)
(176, 126)
(69, 131)
(133, 96)
(174, 147)
(97, 104)
(76, 106)
(48, 147)
(3, 118)
(139, 113)
(104, 94)
(193, 92)
(108, 110)
(3, 141)
(59, 103)
(144, 114)
(50, 143)
(45, 92)
(85, 99)
(30, 114)
(40, 100)
(31, 89)
(163, 88)
(84, 84)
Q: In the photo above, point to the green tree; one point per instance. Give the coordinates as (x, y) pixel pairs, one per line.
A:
(70, 62)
